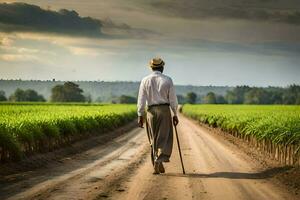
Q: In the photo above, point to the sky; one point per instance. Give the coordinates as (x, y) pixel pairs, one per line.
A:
(203, 42)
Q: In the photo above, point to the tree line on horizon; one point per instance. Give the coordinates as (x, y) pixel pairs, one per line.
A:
(22, 95)
(71, 92)
(101, 91)
(247, 95)
(67, 92)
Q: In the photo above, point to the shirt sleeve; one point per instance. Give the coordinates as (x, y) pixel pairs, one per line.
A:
(141, 103)
(173, 98)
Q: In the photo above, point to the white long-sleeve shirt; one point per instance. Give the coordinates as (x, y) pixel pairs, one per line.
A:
(156, 88)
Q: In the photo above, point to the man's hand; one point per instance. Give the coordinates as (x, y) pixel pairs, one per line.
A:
(175, 120)
(141, 121)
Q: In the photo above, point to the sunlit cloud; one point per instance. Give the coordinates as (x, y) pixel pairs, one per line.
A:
(27, 51)
(6, 41)
(83, 51)
(18, 57)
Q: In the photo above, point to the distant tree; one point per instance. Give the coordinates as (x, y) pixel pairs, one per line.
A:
(288, 98)
(2, 96)
(210, 98)
(276, 97)
(32, 95)
(127, 99)
(27, 95)
(230, 97)
(240, 92)
(221, 99)
(292, 95)
(58, 94)
(69, 92)
(237, 95)
(257, 96)
(191, 97)
(18, 95)
(180, 99)
(73, 93)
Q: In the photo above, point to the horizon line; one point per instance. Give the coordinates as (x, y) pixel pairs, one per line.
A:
(115, 81)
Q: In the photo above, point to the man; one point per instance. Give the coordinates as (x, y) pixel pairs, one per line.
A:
(158, 93)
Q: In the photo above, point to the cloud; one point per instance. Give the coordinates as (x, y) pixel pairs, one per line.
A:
(123, 29)
(17, 57)
(26, 17)
(6, 41)
(272, 48)
(83, 51)
(285, 11)
(27, 51)
(22, 17)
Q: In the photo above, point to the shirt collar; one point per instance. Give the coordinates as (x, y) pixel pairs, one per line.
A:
(156, 72)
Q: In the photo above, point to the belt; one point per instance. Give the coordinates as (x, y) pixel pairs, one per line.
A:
(162, 104)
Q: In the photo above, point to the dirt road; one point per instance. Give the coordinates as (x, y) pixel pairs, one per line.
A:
(215, 169)
(121, 169)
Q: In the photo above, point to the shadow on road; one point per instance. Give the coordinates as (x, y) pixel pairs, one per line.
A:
(234, 175)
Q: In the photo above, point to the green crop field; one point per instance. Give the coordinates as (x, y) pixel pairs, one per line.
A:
(27, 128)
(278, 124)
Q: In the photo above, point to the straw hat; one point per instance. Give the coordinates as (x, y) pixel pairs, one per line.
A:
(156, 62)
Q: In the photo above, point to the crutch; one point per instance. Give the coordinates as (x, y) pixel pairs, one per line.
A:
(183, 171)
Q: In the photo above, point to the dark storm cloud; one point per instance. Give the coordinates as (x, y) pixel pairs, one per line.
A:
(21, 16)
(27, 17)
(285, 11)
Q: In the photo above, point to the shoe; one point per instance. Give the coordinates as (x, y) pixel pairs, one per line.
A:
(161, 168)
(156, 167)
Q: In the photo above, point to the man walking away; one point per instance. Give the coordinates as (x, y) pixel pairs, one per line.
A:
(158, 93)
